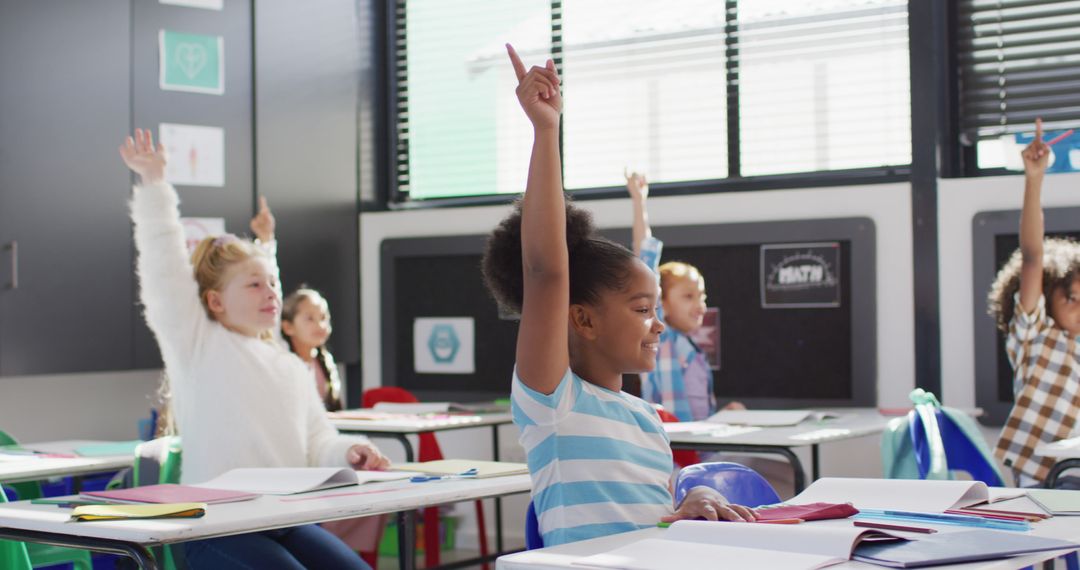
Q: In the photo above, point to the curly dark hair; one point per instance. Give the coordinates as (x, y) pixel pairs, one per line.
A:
(597, 264)
(1061, 265)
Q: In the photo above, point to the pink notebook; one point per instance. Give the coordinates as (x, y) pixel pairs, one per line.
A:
(169, 493)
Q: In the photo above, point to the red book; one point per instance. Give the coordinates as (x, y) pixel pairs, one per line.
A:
(169, 493)
(808, 512)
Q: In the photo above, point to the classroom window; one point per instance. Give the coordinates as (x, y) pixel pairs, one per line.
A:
(703, 90)
(1018, 60)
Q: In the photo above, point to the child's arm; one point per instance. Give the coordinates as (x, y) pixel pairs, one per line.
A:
(638, 188)
(542, 345)
(263, 226)
(707, 502)
(167, 285)
(1036, 156)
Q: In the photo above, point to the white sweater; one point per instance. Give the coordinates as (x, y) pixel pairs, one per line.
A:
(238, 401)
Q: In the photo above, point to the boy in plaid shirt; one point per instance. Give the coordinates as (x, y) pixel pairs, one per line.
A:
(1036, 301)
(682, 381)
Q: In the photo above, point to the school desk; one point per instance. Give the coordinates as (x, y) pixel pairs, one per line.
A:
(850, 423)
(49, 524)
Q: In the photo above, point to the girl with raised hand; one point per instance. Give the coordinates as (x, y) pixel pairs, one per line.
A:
(240, 399)
(599, 458)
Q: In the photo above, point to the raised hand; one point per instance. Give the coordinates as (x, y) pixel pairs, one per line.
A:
(143, 158)
(538, 91)
(263, 223)
(1037, 154)
(636, 185)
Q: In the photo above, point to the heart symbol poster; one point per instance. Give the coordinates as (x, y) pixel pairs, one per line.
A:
(191, 62)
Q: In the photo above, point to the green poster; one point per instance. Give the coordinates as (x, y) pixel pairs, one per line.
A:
(190, 62)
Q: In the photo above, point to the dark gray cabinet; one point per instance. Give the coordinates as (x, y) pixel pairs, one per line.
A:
(65, 106)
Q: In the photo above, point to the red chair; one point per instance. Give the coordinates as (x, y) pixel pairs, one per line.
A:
(429, 451)
(684, 457)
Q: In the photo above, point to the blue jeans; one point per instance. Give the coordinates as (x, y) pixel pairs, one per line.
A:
(300, 547)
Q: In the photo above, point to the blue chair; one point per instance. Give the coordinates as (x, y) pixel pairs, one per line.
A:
(937, 435)
(738, 483)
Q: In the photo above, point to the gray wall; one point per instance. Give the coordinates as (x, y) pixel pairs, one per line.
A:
(290, 110)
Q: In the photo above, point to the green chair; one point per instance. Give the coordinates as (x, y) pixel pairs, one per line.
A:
(44, 554)
(13, 554)
(158, 462)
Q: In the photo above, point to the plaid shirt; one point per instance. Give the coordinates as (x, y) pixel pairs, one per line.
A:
(1046, 383)
(682, 373)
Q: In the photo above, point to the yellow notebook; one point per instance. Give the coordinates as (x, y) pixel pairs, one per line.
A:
(455, 466)
(87, 513)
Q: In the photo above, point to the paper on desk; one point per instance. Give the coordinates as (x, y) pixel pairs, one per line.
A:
(927, 496)
(687, 543)
(764, 418)
(292, 480)
(659, 554)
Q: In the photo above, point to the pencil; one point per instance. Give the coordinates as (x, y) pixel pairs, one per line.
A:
(1059, 138)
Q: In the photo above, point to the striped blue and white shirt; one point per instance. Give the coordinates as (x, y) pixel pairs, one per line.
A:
(600, 461)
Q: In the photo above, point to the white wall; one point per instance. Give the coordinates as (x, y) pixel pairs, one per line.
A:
(100, 405)
(889, 205)
(958, 202)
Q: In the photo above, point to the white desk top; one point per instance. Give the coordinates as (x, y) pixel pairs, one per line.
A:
(1063, 449)
(409, 423)
(266, 512)
(851, 423)
(16, 470)
(562, 557)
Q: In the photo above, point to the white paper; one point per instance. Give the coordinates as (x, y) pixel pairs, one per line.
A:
(413, 408)
(765, 418)
(196, 154)
(204, 4)
(659, 554)
(927, 496)
(292, 480)
(444, 345)
(198, 229)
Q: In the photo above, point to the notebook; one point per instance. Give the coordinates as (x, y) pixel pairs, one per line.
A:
(1056, 501)
(956, 548)
(89, 513)
(169, 493)
(484, 469)
(687, 543)
(440, 407)
(929, 496)
(108, 448)
(765, 418)
(293, 480)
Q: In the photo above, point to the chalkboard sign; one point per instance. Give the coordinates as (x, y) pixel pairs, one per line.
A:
(807, 356)
(803, 275)
(995, 236)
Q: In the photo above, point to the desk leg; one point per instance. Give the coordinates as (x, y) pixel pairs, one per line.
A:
(137, 552)
(498, 500)
(406, 524)
(1059, 468)
(815, 463)
(410, 454)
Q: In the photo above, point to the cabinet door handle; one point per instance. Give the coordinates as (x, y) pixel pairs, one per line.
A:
(13, 247)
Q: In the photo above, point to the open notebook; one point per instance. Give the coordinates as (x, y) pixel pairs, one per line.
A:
(889, 494)
(293, 480)
(484, 469)
(687, 543)
(766, 418)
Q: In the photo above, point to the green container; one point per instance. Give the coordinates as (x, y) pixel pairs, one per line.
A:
(388, 546)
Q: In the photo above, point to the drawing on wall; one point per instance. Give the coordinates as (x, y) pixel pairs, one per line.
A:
(196, 154)
(191, 62)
